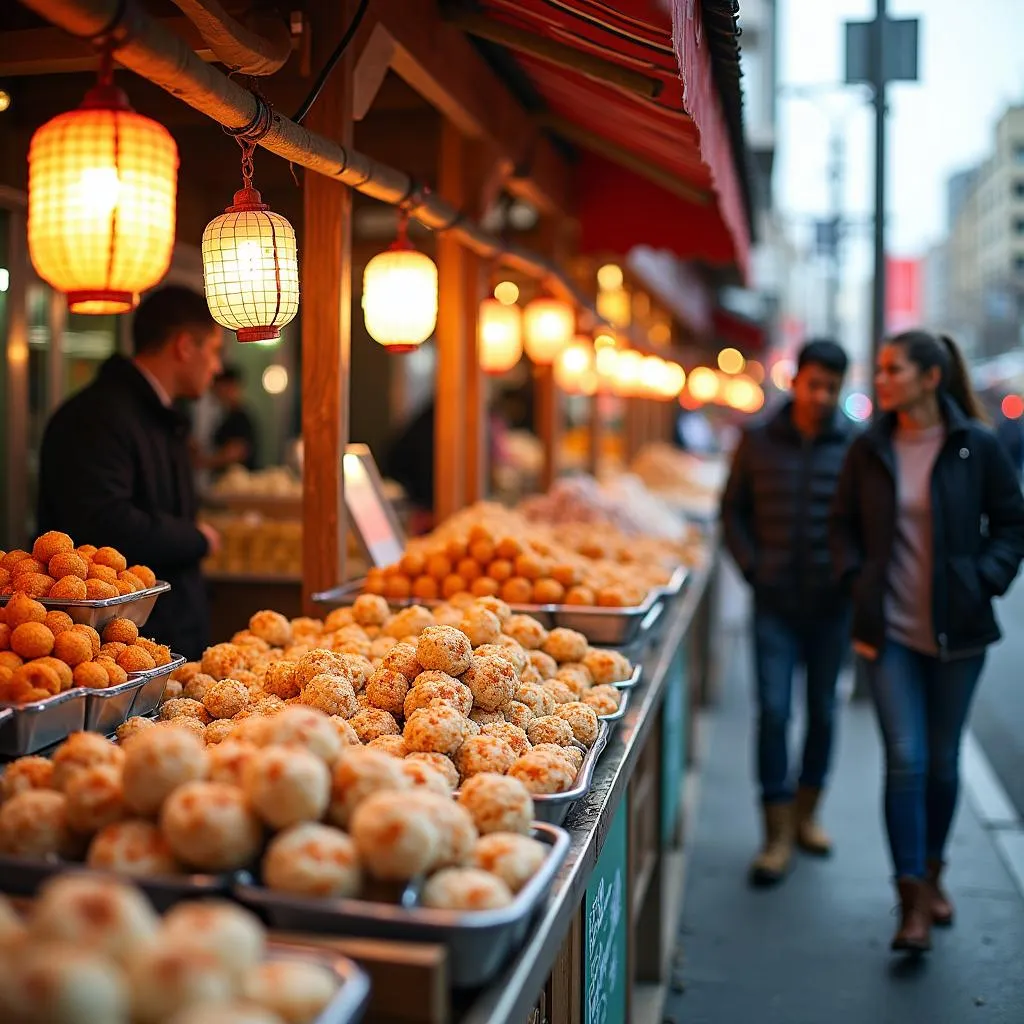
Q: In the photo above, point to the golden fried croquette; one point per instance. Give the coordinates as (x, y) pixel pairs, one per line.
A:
(272, 627)
(13, 557)
(35, 676)
(87, 551)
(412, 563)
(396, 838)
(160, 653)
(225, 698)
(25, 773)
(69, 588)
(67, 563)
(133, 725)
(370, 610)
(59, 622)
(444, 649)
(132, 847)
(101, 572)
(210, 826)
(437, 728)
(280, 680)
(88, 631)
(52, 543)
(550, 729)
(313, 860)
(22, 608)
(425, 588)
(398, 588)
(453, 585)
(222, 660)
(110, 557)
(582, 719)
(331, 693)
(439, 566)
(145, 574)
(508, 547)
(375, 582)
(136, 659)
(497, 803)
(492, 681)
(35, 584)
(10, 660)
(120, 631)
(184, 707)
(72, 648)
(196, 687)
(115, 673)
(517, 590)
(480, 625)
(91, 676)
(156, 762)
(580, 596)
(34, 824)
(26, 566)
(469, 569)
(95, 798)
(548, 591)
(484, 586)
(484, 753)
(32, 640)
(83, 750)
(15, 689)
(566, 645)
(63, 670)
(500, 570)
(482, 550)
(371, 723)
(97, 590)
(125, 586)
(286, 785)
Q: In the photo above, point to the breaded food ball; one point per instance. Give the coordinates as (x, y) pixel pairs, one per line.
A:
(583, 720)
(526, 631)
(576, 676)
(297, 991)
(484, 586)
(550, 729)
(272, 627)
(303, 727)
(393, 746)
(224, 930)
(95, 799)
(422, 775)
(358, 669)
(402, 658)
(196, 687)
(438, 728)
(219, 730)
(222, 660)
(186, 724)
(457, 834)
(114, 650)
(144, 574)
(341, 617)
(121, 631)
(480, 625)
(359, 773)
(346, 733)
(560, 690)
(160, 653)
(387, 689)
(370, 610)
(571, 754)
(83, 750)
(110, 557)
(397, 839)
(566, 645)
(330, 693)
(224, 699)
(280, 679)
(24, 774)
(607, 666)
(444, 649)
(518, 714)
(137, 659)
(158, 761)
(432, 688)
(425, 588)
(465, 889)
(496, 606)
(513, 735)
(513, 858)
(34, 824)
(132, 726)
(379, 647)
(21, 608)
(492, 681)
(34, 681)
(483, 718)
(371, 723)
(517, 590)
(548, 591)
(439, 762)
(51, 543)
(184, 707)
(514, 651)
(58, 622)
(211, 827)
(604, 699)
(32, 640)
(545, 665)
(99, 590)
(318, 662)
(497, 803)
(484, 753)
(165, 979)
(91, 676)
(313, 860)
(409, 622)
(103, 573)
(543, 773)
(64, 673)
(227, 760)
(27, 567)
(286, 785)
(117, 675)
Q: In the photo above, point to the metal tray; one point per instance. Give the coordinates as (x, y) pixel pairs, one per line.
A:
(150, 693)
(479, 944)
(350, 1002)
(553, 808)
(632, 682)
(614, 720)
(31, 727)
(97, 614)
(20, 876)
(675, 583)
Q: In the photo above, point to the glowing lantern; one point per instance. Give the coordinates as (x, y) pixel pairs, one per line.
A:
(499, 336)
(628, 371)
(400, 295)
(574, 367)
(743, 394)
(547, 328)
(652, 375)
(703, 384)
(605, 360)
(730, 360)
(101, 183)
(673, 381)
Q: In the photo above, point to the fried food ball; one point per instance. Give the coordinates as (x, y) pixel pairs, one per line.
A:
(58, 622)
(114, 650)
(409, 622)
(136, 659)
(210, 826)
(484, 753)
(126, 584)
(281, 681)
(225, 931)
(607, 666)
(36, 676)
(22, 608)
(117, 675)
(297, 991)
(197, 686)
(34, 824)
(545, 665)
(517, 590)
(313, 860)
(543, 773)
(358, 668)
(387, 689)
(83, 750)
(483, 718)
(465, 889)
(550, 729)
(184, 707)
(272, 627)
(88, 631)
(457, 834)
(492, 681)
(423, 775)
(497, 803)
(134, 848)
(98, 590)
(72, 648)
(227, 760)
(103, 573)
(500, 570)
(604, 699)
(513, 651)
(439, 763)
(345, 731)
(144, 574)
(582, 596)
(513, 735)
(548, 591)
(496, 606)
(560, 690)
(432, 688)
(370, 610)
(110, 557)
(566, 645)
(358, 774)
(224, 699)
(24, 774)
(156, 762)
(484, 586)
(402, 658)
(481, 626)
(572, 755)
(444, 649)
(67, 563)
(188, 724)
(133, 725)
(425, 588)
(222, 661)
(51, 543)
(582, 719)
(371, 723)
(120, 631)
(332, 694)
(32, 640)
(286, 785)
(518, 714)
(527, 631)
(218, 731)
(160, 653)
(95, 799)
(318, 662)
(513, 858)
(11, 558)
(438, 728)
(69, 588)
(393, 746)
(165, 979)
(397, 839)
(303, 727)
(576, 674)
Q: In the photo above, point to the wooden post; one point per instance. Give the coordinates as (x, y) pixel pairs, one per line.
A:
(477, 421)
(595, 434)
(326, 325)
(548, 418)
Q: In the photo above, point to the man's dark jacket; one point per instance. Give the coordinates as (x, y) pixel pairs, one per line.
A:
(114, 470)
(977, 532)
(775, 514)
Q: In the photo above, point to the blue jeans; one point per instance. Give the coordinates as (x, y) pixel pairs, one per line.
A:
(922, 705)
(779, 647)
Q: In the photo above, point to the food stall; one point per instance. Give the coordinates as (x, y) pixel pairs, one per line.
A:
(536, 145)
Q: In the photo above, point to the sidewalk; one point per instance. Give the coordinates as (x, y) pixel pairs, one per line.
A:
(815, 950)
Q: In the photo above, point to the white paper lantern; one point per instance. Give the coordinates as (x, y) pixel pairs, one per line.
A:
(400, 297)
(547, 328)
(499, 336)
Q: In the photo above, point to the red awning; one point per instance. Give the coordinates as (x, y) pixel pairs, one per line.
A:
(658, 143)
(738, 331)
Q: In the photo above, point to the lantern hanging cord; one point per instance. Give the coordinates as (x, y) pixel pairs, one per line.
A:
(307, 105)
(258, 125)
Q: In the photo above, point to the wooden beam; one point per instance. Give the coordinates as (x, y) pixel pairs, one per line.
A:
(326, 327)
(371, 69)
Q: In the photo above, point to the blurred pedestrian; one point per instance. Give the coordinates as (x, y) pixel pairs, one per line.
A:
(775, 514)
(928, 528)
(235, 437)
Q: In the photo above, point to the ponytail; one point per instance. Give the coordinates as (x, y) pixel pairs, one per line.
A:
(926, 351)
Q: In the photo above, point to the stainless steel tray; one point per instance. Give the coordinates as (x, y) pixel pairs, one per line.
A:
(150, 693)
(614, 720)
(31, 727)
(632, 681)
(675, 583)
(97, 614)
(554, 807)
(350, 1002)
(478, 943)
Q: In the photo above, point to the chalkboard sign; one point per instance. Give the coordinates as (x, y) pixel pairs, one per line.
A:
(605, 930)
(673, 745)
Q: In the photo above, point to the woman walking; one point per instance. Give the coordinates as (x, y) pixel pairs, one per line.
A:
(928, 527)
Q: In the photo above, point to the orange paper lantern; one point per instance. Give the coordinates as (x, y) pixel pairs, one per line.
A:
(499, 336)
(574, 367)
(547, 328)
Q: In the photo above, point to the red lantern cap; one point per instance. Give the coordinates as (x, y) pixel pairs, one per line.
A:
(247, 200)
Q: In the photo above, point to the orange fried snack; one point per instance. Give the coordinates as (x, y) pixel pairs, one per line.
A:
(67, 563)
(73, 647)
(110, 557)
(94, 637)
(58, 622)
(69, 588)
(120, 631)
(144, 574)
(32, 640)
(50, 544)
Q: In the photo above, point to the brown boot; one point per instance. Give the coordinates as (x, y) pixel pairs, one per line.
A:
(810, 836)
(772, 863)
(914, 933)
(941, 904)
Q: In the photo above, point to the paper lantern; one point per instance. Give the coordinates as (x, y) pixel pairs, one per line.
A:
(400, 296)
(703, 384)
(499, 336)
(628, 368)
(102, 181)
(574, 367)
(547, 328)
(251, 268)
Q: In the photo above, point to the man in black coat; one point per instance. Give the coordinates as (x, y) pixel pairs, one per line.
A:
(775, 517)
(114, 466)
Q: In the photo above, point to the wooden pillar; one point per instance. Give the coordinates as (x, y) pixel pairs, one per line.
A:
(594, 436)
(548, 418)
(326, 324)
(477, 434)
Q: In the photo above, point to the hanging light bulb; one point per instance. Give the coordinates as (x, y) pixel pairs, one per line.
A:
(400, 294)
(547, 328)
(102, 183)
(251, 263)
(499, 336)
(574, 367)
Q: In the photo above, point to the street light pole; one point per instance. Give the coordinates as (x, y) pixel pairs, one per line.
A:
(837, 158)
(878, 76)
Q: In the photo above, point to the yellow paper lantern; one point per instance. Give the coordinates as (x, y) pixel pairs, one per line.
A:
(674, 381)
(652, 376)
(102, 181)
(499, 336)
(251, 268)
(547, 328)
(400, 296)
(703, 384)
(574, 367)
(628, 369)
